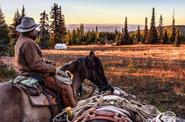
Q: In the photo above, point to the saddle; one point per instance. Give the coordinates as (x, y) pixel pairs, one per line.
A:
(108, 113)
(37, 93)
(34, 91)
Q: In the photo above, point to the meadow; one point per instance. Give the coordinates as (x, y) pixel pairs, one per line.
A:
(155, 74)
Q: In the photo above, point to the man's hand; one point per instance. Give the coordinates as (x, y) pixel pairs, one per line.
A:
(61, 73)
(51, 62)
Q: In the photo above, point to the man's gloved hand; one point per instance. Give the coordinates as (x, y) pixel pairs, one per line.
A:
(51, 62)
(61, 73)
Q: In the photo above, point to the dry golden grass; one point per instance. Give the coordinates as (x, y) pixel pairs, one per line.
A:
(154, 73)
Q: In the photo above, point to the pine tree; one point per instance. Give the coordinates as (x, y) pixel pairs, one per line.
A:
(173, 33)
(153, 38)
(23, 14)
(57, 25)
(145, 31)
(178, 39)
(125, 39)
(4, 37)
(82, 29)
(82, 32)
(93, 37)
(43, 35)
(116, 37)
(160, 29)
(69, 40)
(97, 35)
(63, 27)
(74, 37)
(166, 39)
(16, 21)
(138, 34)
(96, 29)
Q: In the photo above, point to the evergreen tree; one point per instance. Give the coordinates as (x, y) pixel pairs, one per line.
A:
(117, 37)
(82, 28)
(93, 37)
(145, 31)
(173, 33)
(63, 27)
(43, 35)
(153, 38)
(23, 14)
(96, 29)
(57, 25)
(97, 35)
(138, 34)
(16, 21)
(74, 37)
(178, 39)
(69, 39)
(126, 39)
(160, 29)
(82, 32)
(4, 37)
(166, 39)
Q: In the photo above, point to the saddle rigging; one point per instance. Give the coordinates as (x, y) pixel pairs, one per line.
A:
(121, 107)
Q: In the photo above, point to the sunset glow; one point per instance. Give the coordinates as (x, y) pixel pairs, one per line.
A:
(100, 11)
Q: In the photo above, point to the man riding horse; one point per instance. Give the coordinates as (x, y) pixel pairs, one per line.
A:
(30, 62)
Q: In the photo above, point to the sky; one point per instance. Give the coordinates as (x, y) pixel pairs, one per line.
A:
(100, 11)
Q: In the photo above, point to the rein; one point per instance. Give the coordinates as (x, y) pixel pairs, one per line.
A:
(85, 71)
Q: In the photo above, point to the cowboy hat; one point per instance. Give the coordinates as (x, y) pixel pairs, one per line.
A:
(27, 24)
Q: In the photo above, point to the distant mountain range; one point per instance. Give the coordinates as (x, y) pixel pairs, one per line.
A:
(112, 27)
(104, 27)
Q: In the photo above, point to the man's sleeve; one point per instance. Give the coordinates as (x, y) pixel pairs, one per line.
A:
(35, 61)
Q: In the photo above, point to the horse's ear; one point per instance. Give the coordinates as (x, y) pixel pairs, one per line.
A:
(91, 54)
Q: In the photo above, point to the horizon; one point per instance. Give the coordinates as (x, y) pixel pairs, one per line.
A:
(100, 11)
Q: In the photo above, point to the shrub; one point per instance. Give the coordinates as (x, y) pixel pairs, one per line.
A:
(6, 71)
(132, 67)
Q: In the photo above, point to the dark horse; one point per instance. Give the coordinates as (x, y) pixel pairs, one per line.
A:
(89, 67)
(15, 105)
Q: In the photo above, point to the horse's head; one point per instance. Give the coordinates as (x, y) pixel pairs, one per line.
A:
(89, 67)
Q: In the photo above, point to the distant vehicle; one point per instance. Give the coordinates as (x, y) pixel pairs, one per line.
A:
(60, 46)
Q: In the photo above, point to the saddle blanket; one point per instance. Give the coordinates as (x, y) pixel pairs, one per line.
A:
(31, 87)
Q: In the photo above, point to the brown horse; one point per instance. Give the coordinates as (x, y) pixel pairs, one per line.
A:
(15, 105)
(89, 67)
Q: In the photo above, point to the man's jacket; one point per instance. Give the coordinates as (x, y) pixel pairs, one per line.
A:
(29, 58)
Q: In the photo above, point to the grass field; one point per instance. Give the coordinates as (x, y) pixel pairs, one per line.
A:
(154, 73)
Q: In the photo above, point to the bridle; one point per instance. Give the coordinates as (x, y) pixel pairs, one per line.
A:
(85, 73)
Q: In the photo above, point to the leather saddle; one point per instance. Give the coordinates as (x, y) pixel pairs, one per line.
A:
(37, 94)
